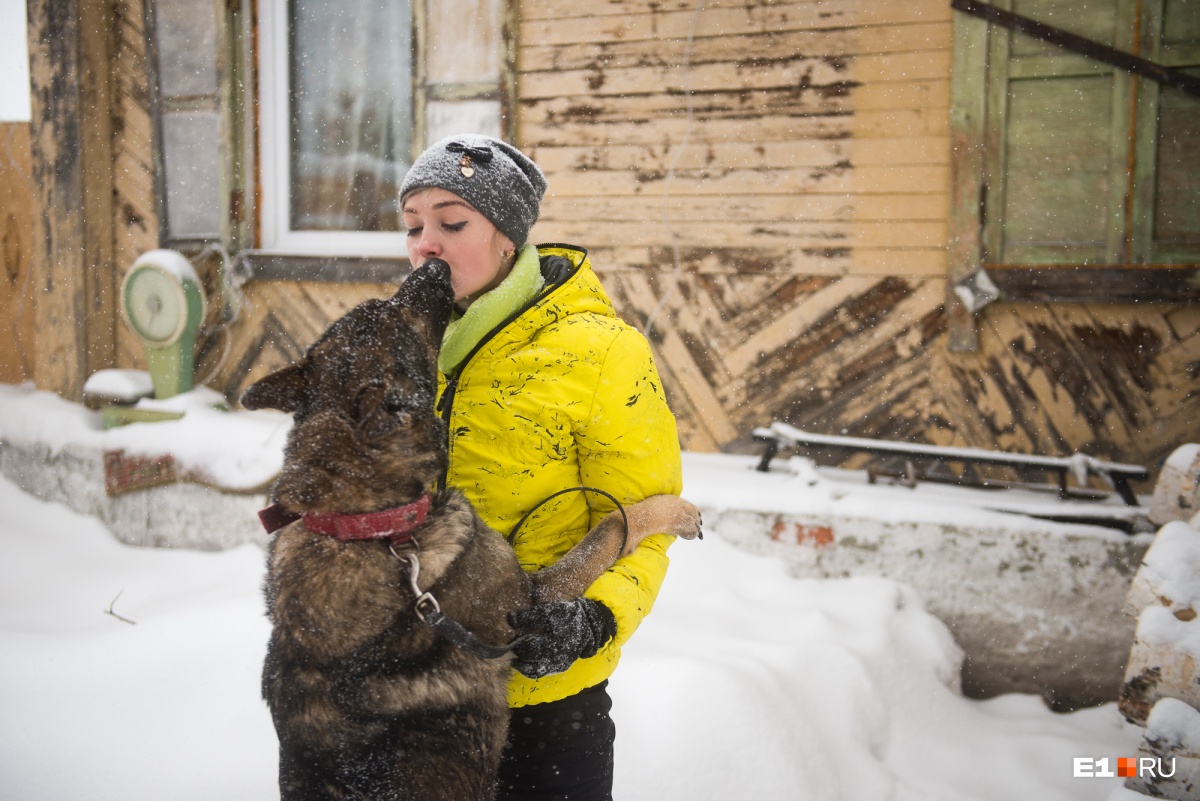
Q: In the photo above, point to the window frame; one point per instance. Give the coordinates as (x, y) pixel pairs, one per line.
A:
(1127, 275)
(274, 134)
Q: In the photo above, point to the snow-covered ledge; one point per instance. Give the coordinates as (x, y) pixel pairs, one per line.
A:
(1036, 605)
(210, 471)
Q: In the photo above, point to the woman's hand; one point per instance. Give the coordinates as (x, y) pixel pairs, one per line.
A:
(559, 633)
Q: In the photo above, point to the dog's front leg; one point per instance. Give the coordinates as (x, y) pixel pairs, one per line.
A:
(608, 541)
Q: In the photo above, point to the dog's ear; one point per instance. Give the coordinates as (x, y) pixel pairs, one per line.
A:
(282, 390)
(427, 291)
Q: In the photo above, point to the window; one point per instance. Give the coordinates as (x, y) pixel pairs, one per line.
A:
(345, 105)
(1062, 160)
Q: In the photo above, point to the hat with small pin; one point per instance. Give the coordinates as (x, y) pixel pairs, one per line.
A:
(501, 182)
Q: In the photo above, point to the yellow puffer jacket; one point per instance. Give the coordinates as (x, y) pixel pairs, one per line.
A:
(565, 395)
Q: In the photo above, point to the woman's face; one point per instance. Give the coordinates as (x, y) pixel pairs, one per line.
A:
(441, 224)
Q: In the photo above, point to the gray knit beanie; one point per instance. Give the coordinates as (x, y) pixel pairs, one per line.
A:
(493, 176)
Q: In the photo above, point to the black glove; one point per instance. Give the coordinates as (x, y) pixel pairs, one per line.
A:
(561, 632)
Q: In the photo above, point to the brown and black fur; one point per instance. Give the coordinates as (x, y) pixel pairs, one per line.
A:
(368, 702)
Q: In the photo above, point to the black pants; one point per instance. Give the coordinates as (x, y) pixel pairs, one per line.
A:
(562, 750)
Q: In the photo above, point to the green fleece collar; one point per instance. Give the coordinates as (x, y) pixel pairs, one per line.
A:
(489, 310)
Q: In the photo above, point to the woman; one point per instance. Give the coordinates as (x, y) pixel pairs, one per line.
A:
(543, 389)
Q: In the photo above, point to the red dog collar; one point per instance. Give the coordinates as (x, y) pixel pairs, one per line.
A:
(393, 523)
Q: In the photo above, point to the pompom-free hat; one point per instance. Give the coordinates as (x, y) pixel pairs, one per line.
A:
(492, 175)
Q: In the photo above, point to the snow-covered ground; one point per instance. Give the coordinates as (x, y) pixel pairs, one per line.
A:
(131, 673)
(744, 683)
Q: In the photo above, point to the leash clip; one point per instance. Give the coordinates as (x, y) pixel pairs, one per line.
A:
(425, 603)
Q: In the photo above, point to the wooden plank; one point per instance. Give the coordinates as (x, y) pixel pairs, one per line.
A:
(749, 49)
(745, 155)
(134, 212)
(698, 155)
(826, 77)
(637, 121)
(1091, 284)
(17, 297)
(732, 258)
(718, 21)
(815, 74)
(95, 97)
(735, 257)
(555, 9)
(967, 132)
(840, 178)
(749, 208)
(817, 237)
(60, 241)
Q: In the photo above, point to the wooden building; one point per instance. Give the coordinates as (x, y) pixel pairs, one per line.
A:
(808, 201)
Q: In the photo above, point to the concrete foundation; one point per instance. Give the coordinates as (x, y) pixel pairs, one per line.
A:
(179, 515)
(1034, 612)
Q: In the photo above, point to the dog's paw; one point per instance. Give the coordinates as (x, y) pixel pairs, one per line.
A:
(686, 521)
(667, 514)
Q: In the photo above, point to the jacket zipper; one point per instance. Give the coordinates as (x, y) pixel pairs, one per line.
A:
(445, 404)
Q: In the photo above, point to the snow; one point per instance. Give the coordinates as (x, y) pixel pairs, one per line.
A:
(743, 683)
(1158, 626)
(171, 262)
(1174, 725)
(119, 384)
(1172, 565)
(241, 450)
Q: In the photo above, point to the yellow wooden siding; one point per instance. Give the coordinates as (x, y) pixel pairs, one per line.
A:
(808, 212)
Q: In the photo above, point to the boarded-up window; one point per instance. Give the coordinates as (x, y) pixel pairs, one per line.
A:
(1084, 163)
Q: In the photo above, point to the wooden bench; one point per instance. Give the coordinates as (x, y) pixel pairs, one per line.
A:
(779, 436)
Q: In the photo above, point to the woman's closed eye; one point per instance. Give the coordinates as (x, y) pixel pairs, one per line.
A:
(453, 228)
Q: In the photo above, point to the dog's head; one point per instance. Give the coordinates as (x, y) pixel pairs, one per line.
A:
(365, 435)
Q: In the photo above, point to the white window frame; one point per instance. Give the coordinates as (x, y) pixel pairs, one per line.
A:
(275, 158)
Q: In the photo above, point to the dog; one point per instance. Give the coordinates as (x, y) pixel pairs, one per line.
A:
(369, 698)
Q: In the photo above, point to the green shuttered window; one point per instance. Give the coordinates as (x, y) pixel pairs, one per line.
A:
(1078, 163)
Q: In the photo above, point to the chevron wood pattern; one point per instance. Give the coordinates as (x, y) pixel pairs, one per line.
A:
(866, 356)
(277, 323)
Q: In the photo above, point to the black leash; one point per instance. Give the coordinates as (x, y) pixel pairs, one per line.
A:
(512, 537)
(430, 612)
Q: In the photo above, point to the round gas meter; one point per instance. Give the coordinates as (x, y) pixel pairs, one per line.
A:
(162, 302)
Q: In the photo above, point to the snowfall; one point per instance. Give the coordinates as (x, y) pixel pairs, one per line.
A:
(132, 673)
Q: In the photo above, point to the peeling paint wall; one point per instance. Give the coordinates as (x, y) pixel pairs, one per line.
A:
(768, 184)
(806, 197)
